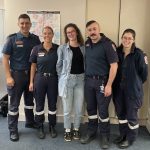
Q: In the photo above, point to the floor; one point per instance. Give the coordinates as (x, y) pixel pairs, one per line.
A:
(29, 141)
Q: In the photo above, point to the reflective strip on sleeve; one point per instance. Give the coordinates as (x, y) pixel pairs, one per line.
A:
(103, 120)
(93, 117)
(13, 113)
(133, 127)
(123, 121)
(28, 107)
(39, 113)
(52, 112)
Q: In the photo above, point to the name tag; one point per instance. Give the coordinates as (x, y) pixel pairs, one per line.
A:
(19, 45)
(41, 54)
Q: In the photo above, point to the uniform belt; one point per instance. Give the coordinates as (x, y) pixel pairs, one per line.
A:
(96, 77)
(48, 74)
(21, 71)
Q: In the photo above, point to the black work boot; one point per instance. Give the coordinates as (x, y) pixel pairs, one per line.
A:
(87, 138)
(41, 133)
(119, 139)
(105, 142)
(124, 144)
(31, 125)
(53, 132)
(14, 136)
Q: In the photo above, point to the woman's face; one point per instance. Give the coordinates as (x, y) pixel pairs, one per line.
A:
(71, 34)
(47, 35)
(127, 40)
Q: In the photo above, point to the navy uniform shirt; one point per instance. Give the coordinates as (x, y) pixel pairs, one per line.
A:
(19, 48)
(45, 60)
(132, 73)
(99, 56)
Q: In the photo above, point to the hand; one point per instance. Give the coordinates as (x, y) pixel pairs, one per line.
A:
(10, 81)
(108, 90)
(31, 87)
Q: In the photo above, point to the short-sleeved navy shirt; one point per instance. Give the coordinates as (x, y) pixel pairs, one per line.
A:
(45, 60)
(19, 48)
(99, 56)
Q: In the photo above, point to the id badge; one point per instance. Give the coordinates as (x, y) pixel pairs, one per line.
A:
(101, 88)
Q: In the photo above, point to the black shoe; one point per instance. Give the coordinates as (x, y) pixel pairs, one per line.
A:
(67, 136)
(31, 125)
(52, 131)
(124, 144)
(119, 139)
(41, 134)
(14, 136)
(76, 134)
(105, 142)
(87, 139)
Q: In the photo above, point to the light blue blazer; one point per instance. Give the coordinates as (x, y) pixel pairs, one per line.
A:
(63, 67)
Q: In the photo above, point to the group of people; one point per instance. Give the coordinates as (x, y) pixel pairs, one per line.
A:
(93, 71)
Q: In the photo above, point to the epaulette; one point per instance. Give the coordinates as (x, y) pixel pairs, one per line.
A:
(11, 35)
(33, 35)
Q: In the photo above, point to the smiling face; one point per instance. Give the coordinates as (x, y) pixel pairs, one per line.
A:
(93, 31)
(127, 40)
(71, 34)
(24, 25)
(48, 35)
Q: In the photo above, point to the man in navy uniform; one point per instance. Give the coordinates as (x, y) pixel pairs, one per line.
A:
(100, 70)
(16, 53)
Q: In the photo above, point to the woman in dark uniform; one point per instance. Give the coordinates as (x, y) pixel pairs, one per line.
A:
(128, 88)
(44, 81)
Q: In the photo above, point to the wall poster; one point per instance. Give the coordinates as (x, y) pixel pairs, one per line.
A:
(40, 19)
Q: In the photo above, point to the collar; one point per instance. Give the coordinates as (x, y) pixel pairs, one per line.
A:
(41, 47)
(132, 49)
(20, 35)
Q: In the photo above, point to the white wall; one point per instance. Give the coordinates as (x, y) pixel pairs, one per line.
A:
(1, 4)
(70, 11)
(134, 14)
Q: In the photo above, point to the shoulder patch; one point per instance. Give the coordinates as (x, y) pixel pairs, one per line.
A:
(146, 60)
(114, 47)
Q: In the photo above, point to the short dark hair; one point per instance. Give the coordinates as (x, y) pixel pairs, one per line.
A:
(90, 22)
(129, 31)
(79, 35)
(24, 16)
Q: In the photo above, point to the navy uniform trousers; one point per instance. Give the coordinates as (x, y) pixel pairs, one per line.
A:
(94, 95)
(21, 86)
(45, 85)
(127, 113)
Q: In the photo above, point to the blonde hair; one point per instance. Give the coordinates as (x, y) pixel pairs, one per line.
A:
(48, 27)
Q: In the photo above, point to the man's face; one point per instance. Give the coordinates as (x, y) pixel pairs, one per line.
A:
(24, 25)
(93, 31)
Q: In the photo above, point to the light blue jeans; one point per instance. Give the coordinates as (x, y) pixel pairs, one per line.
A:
(74, 100)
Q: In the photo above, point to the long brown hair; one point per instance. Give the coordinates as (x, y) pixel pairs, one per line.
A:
(79, 35)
